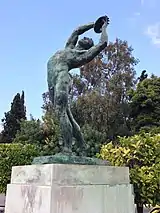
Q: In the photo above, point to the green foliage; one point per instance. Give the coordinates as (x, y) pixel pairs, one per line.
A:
(142, 154)
(30, 132)
(44, 134)
(14, 155)
(151, 130)
(90, 110)
(11, 122)
(145, 104)
(156, 209)
(51, 133)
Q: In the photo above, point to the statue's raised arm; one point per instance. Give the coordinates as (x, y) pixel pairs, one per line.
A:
(88, 55)
(72, 41)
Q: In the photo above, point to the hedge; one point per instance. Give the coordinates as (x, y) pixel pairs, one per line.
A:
(14, 155)
(141, 153)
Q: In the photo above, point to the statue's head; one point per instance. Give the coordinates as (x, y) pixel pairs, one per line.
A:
(85, 43)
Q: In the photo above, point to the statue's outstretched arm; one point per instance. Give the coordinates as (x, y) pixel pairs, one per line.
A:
(91, 53)
(79, 31)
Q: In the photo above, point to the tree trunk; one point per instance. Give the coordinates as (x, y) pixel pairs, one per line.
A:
(139, 208)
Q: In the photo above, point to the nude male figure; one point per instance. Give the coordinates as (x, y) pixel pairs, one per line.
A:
(73, 56)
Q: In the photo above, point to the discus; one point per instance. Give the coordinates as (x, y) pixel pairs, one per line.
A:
(99, 23)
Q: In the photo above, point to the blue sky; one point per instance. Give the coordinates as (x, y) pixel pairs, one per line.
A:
(32, 30)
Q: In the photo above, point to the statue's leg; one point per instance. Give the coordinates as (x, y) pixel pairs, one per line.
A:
(76, 130)
(61, 102)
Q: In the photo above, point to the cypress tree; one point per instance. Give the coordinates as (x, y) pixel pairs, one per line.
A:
(12, 119)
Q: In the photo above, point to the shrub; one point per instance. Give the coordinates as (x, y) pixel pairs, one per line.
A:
(30, 133)
(44, 134)
(141, 153)
(14, 155)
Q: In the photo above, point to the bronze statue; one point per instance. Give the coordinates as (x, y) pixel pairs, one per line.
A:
(73, 56)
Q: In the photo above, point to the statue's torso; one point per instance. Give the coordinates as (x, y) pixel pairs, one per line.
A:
(60, 62)
(56, 64)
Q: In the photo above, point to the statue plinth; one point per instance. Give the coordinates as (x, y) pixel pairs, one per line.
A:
(69, 188)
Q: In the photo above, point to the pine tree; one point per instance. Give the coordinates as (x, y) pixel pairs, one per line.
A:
(12, 119)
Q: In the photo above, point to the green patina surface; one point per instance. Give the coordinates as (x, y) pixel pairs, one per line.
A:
(69, 159)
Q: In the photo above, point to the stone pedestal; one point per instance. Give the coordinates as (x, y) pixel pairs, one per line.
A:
(64, 188)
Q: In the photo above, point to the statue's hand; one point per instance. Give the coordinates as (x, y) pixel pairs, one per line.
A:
(105, 24)
(104, 35)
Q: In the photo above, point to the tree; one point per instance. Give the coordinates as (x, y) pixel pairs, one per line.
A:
(100, 93)
(145, 104)
(51, 131)
(44, 134)
(111, 71)
(47, 104)
(11, 122)
(141, 153)
(30, 132)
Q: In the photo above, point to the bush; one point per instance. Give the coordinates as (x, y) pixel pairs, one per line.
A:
(51, 133)
(44, 134)
(30, 132)
(141, 153)
(14, 155)
(150, 130)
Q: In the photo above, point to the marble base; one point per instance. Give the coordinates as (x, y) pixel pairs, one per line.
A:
(63, 188)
